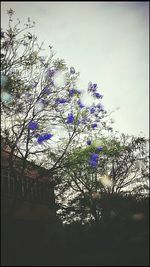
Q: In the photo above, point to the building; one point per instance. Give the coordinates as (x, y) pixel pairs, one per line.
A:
(30, 228)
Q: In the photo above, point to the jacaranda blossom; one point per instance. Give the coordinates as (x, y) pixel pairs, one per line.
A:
(32, 125)
(50, 72)
(48, 136)
(70, 118)
(92, 110)
(61, 100)
(80, 104)
(88, 142)
(72, 92)
(40, 139)
(99, 148)
(92, 87)
(44, 137)
(93, 161)
(94, 125)
(100, 107)
(94, 156)
(98, 95)
(85, 120)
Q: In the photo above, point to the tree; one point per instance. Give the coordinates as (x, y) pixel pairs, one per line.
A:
(43, 113)
(40, 99)
(119, 167)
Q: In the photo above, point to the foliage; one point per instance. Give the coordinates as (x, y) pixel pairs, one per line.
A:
(122, 169)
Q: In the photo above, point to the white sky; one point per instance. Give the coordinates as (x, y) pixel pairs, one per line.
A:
(107, 42)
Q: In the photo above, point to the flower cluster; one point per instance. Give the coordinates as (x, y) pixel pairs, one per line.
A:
(94, 125)
(84, 120)
(100, 107)
(32, 125)
(92, 87)
(44, 137)
(50, 72)
(80, 104)
(88, 142)
(99, 148)
(93, 161)
(70, 118)
(61, 101)
(92, 110)
(72, 92)
(98, 95)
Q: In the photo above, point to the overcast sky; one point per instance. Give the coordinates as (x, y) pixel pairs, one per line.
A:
(107, 42)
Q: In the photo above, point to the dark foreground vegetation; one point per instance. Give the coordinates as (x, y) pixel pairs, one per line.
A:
(121, 241)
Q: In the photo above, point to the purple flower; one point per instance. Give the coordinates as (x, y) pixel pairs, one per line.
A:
(98, 95)
(84, 120)
(94, 156)
(92, 110)
(50, 72)
(48, 136)
(44, 137)
(94, 125)
(80, 104)
(99, 148)
(93, 159)
(70, 118)
(93, 163)
(92, 87)
(88, 142)
(72, 92)
(61, 100)
(40, 139)
(72, 70)
(100, 107)
(46, 90)
(32, 125)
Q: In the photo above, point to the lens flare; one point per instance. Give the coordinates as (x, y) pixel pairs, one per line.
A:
(59, 79)
(6, 97)
(87, 100)
(106, 180)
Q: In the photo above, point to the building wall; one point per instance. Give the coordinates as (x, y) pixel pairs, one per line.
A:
(31, 232)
